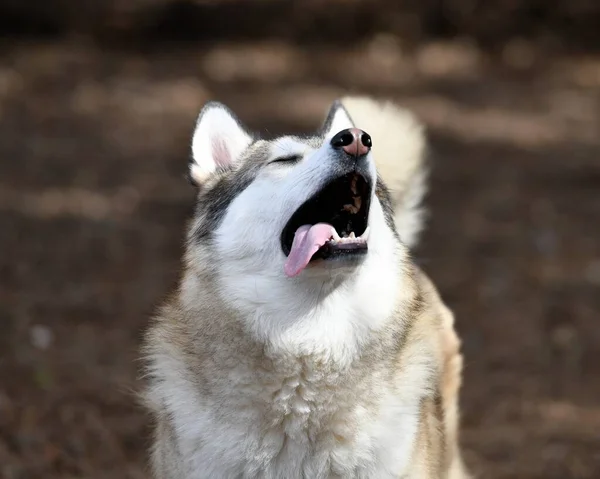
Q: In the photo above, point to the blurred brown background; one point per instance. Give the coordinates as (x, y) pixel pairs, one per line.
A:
(97, 104)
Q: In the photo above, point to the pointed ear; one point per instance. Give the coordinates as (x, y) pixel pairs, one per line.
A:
(337, 120)
(218, 142)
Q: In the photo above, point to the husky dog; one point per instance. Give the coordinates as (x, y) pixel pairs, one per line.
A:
(303, 342)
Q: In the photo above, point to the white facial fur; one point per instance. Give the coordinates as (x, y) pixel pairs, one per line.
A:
(328, 305)
(338, 120)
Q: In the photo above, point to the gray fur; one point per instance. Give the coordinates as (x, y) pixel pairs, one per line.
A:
(343, 372)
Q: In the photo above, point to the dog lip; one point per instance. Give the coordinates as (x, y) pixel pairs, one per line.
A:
(331, 249)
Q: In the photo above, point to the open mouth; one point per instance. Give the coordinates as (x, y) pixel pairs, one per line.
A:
(331, 224)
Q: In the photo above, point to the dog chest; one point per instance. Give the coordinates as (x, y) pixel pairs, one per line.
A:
(313, 422)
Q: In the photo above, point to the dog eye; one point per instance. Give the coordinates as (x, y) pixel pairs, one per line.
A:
(287, 159)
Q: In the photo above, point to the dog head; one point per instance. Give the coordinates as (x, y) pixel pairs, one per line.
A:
(281, 224)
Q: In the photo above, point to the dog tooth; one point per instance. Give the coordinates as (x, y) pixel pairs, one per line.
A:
(352, 235)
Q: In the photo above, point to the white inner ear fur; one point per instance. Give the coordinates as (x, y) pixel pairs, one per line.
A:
(339, 121)
(218, 141)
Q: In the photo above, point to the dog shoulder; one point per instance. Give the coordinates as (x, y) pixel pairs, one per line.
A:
(437, 444)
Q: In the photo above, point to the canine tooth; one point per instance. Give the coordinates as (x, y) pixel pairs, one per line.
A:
(353, 184)
(335, 235)
(357, 202)
(352, 235)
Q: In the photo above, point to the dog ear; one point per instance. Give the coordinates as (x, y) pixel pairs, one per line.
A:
(337, 120)
(219, 141)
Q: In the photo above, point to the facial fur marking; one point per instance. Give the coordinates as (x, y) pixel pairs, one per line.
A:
(212, 205)
(288, 146)
(385, 198)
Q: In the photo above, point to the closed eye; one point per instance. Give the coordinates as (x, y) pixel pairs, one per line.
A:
(287, 159)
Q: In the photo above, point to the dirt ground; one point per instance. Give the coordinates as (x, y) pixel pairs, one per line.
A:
(93, 203)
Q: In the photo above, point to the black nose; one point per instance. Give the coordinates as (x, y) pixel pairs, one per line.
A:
(353, 141)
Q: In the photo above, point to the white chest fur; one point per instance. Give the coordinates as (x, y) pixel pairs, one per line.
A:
(303, 422)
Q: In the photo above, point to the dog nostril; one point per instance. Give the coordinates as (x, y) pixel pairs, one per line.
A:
(353, 142)
(366, 140)
(344, 139)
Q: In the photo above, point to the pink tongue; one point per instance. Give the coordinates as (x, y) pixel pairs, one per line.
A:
(307, 240)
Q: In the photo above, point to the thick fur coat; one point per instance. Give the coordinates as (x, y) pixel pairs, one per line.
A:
(350, 369)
